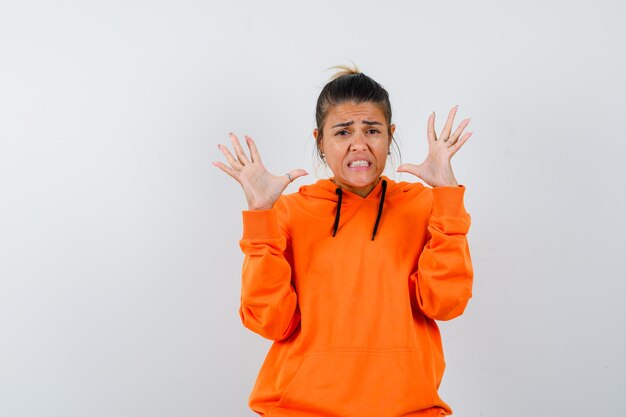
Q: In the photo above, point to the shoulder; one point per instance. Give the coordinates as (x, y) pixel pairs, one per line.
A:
(285, 201)
(288, 203)
(409, 197)
(404, 189)
(318, 192)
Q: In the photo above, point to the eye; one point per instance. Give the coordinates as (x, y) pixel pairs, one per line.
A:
(373, 131)
(342, 133)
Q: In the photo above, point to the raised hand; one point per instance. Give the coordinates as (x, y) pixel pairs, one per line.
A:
(262, 189)
(436, 169)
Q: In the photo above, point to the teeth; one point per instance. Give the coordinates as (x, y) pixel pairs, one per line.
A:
(359, 164)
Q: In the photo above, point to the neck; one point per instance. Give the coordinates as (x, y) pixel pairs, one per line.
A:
(360, 191)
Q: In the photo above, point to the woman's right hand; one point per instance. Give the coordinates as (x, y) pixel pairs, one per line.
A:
(262, 189)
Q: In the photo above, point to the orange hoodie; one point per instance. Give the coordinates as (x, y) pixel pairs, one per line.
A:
(352, 316)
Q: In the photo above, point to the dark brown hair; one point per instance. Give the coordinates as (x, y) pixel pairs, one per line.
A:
(350, 85)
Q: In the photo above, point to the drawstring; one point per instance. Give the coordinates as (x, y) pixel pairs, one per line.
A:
(339, 193)
(380, 208)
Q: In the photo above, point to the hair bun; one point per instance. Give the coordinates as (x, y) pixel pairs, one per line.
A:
(344, 70)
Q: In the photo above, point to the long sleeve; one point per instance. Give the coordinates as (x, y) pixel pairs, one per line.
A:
(443, 280)
(269, 304)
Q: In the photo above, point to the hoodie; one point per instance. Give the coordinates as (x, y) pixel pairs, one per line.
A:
(349, 289)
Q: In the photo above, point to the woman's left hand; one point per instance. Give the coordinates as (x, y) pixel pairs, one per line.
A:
(436, 169)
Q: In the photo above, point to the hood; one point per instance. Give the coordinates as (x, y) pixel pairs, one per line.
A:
(326, 189)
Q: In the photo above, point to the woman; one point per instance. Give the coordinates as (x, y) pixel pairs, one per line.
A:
(348, 275)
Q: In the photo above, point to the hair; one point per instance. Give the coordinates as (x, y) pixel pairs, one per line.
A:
(349, 84)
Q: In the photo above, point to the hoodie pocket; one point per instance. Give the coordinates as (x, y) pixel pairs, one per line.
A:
(363, 382)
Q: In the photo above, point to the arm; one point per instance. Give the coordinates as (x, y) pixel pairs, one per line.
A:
(443, 281)
(268, 301)
(269, 304)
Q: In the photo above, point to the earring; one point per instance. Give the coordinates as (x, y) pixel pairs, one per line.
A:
(323, 156)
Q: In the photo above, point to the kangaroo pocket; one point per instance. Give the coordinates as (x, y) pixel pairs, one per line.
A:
(365, 382)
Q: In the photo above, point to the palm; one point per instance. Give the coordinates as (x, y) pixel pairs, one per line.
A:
(261, 188)
(436, 170)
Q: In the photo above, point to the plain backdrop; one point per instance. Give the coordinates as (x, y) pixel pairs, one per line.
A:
(120, 265)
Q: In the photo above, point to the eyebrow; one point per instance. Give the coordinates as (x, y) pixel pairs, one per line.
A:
(351, 122)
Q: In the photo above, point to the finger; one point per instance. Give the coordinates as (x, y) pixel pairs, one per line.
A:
(294, 174)
(459, 130)
(254, 152)
(445, 133)
(430, 132)
(239, 150)
(297, 173)
(454, 148)
(410, 168)
(229, 157)
(226, 169)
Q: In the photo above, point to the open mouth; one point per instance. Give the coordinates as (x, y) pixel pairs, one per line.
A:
(359, 164)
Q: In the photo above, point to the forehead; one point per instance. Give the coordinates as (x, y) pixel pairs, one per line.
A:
(351, 111)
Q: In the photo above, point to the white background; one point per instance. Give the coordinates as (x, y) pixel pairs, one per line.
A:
(119, 258)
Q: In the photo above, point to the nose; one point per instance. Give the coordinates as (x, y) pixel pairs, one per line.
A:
(358, 142)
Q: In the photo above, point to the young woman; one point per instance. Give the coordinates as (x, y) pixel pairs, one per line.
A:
(348, 275)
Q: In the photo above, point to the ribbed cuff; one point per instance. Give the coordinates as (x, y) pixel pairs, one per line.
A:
(260, 224)
(448, 201)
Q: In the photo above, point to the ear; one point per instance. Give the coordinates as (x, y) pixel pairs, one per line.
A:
(316, 133)
(392, 129)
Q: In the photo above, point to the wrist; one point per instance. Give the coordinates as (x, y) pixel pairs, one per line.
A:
(257, 208)
(446, 181)
(260, 205)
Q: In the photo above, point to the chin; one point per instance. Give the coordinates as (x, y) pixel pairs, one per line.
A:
(360, 181)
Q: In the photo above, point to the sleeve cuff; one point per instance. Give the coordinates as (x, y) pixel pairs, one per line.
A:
(260, 224)
(448, 201)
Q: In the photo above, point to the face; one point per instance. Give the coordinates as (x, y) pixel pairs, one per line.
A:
(355, 142)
